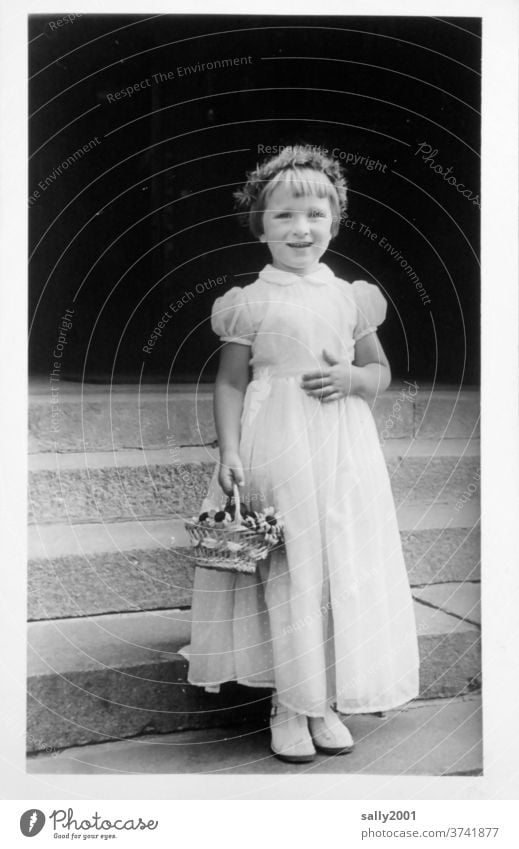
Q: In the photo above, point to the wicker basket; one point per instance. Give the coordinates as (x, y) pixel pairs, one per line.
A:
(233, 548)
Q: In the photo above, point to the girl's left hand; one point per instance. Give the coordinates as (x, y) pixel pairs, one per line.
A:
(338, 381)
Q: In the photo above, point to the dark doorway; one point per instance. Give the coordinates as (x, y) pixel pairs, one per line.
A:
(142, 126)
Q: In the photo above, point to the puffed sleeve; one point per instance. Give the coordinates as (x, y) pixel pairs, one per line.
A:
(371, 308)
(231, 317)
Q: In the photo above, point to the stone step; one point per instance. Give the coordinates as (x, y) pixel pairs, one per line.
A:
(87, 569)
(83, 417)
(459, 599)
(432, 737)
(108, 486)
(116, 676)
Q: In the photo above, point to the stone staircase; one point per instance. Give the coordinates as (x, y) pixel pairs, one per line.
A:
(112, 473)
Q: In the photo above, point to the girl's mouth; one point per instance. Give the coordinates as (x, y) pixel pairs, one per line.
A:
(299, 244)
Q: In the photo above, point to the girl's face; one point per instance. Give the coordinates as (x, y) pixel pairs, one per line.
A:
(297, 230)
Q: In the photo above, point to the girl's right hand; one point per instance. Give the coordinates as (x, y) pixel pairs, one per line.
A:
(230, 471)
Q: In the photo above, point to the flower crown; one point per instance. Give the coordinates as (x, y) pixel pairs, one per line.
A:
(298, 156)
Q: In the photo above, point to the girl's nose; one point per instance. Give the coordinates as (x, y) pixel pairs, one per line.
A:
(301, 227)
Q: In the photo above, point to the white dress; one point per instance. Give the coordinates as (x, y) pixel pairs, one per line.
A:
(330, 619)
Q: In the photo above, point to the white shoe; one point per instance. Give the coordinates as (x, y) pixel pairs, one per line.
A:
(330, 735)
(291, 739)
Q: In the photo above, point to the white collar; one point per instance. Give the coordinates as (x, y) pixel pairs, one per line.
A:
(321, 275)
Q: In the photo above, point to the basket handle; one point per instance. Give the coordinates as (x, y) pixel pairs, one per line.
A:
(237, 513)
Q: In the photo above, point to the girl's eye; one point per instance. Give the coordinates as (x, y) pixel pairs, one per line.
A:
(316, 213)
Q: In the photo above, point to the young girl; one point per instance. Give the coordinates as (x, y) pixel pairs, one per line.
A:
(327, 622)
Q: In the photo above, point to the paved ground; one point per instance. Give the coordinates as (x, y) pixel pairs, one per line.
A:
(435, 737)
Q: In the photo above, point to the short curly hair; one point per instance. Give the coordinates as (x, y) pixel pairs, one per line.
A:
(291, 165)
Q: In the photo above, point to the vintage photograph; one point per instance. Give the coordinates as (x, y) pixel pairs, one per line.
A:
(254, 370)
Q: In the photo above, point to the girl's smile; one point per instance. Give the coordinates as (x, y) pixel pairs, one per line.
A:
(297, 229)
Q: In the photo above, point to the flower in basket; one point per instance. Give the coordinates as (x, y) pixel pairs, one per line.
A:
(271, 525)
(220, 519)
(207, 518)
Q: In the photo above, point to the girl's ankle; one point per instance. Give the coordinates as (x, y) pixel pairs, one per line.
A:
(279, 706)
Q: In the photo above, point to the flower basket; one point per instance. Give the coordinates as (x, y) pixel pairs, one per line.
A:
(234, 539)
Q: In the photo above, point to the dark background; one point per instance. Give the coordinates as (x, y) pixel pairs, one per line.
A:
(148, 212)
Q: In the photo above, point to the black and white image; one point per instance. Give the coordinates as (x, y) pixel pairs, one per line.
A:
(254, 357)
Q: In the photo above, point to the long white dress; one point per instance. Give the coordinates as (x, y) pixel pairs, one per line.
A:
(330, 619)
